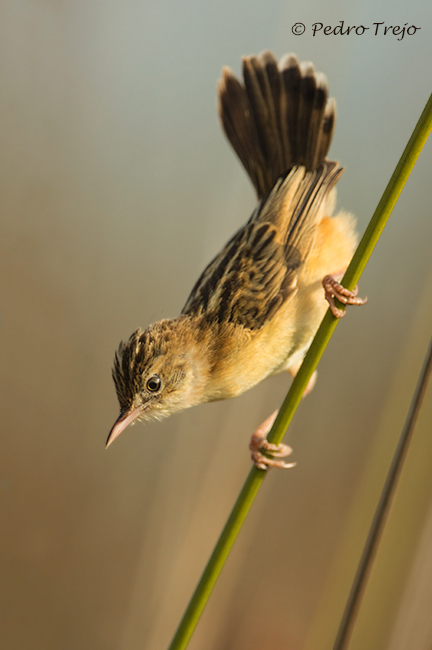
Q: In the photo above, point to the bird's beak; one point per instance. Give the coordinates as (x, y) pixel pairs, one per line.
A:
(124, 419)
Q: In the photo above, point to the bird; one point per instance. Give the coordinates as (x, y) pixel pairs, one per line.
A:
(256, 307)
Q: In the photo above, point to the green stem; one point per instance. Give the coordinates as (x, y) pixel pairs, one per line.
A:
(355, 269)
(293, 398)
(374, 536)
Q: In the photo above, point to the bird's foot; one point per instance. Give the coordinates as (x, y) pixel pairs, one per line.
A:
(334, 289)
(260, 444)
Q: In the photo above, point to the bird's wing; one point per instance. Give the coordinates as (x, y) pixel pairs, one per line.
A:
(247, 282)
(257, 270)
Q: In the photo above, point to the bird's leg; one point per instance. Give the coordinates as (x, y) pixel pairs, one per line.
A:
(333, 289)
(293, 370)
(260, 444)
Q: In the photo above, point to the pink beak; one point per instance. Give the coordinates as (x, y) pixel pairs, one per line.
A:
(124, 419)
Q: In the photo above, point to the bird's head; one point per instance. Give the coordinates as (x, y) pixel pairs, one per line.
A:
(155, 374)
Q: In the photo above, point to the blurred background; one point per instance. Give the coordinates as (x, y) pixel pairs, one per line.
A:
(117, 188)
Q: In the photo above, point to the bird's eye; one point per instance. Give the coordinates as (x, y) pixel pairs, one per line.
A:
(153, 384)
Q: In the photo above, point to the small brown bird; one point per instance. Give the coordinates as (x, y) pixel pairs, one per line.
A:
(256, 307)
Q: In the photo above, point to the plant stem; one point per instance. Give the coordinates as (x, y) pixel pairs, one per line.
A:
(355, 269)
(293, 398)
(380, 517)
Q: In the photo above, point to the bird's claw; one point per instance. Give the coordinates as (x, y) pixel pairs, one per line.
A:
(333, 289)
(260, 444)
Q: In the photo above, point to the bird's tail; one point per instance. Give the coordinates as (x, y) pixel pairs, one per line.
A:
(280, 117)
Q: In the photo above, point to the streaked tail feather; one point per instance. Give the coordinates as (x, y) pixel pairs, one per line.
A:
(279, 118)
